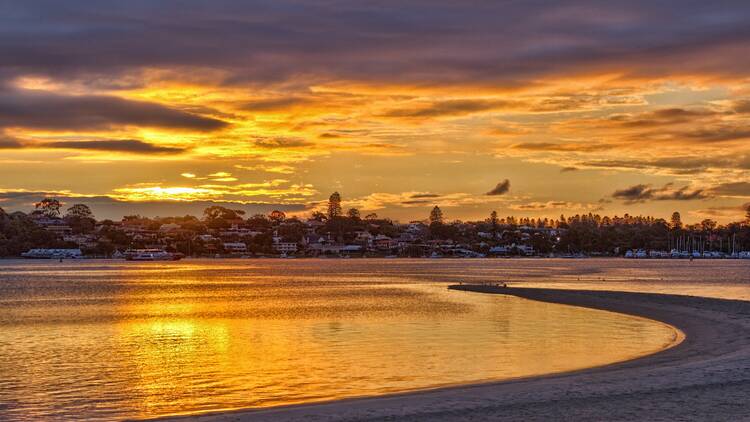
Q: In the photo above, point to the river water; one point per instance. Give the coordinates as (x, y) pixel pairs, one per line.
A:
(112, 339)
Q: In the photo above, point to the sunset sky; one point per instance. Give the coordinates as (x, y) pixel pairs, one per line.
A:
(530, 108)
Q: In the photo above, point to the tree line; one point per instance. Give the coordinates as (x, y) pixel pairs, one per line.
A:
(587, 233)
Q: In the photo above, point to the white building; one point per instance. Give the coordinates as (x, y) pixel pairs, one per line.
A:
(285, 247)
(235, 247)
(82, 240)
(364, 237)
(524, 249)
(384, 242)
(59, 229)
(239, 232)
(169, 227)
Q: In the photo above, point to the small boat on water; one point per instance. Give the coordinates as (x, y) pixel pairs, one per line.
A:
(42, 253)
(151, 255)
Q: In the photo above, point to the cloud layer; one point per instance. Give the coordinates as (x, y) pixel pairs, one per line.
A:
(568, 98)
(51, 111)
(643, 193)
(501, 188)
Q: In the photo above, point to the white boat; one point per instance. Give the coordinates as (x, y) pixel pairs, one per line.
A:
(151, 255)
(43, 253)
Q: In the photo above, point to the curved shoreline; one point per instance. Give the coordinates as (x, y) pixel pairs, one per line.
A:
(706, 376)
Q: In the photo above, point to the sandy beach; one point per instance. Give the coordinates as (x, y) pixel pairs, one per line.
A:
(705, 377)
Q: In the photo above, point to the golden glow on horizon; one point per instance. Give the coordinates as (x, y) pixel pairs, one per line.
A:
(592, 122)
(243, 192)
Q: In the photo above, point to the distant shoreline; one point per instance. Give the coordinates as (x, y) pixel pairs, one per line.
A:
(706, 376)
(494, 258)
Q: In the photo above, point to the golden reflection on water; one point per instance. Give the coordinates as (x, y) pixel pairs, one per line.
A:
(114, 340)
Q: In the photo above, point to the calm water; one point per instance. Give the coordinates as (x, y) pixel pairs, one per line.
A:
(111, 340)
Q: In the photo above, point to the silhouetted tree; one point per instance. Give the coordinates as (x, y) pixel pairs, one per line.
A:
(49, 207)
(19, 233)
(353, 213)
(676, 221)
(436, 216)
(493, 223)
(216, 211)
(277, 216)
(334, 206)
(218, 217)
(80, 211)
(292, 231)
(708, 225)
(318, 216)
(258, 222)
(80, 218)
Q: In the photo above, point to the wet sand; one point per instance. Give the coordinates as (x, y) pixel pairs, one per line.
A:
(705, 377)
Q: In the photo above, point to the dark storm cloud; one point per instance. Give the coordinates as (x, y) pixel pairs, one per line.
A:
(742, 106)
(501, 189)
(448, 108)
(421, 199)
(643, 193)
(727, 211)
(275, 104)
(561, 146)
(120, 145)
(634, 193)
(679, 164)
(662, 117)
(541, 206)
(115, 145)
(682, 194)
(506, 43)
(280, 142)
(7, 143)
(732, 189)
(43, 110)
(718, 134)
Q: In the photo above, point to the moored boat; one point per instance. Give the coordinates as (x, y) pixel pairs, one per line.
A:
(43, 253)
(151, 255)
